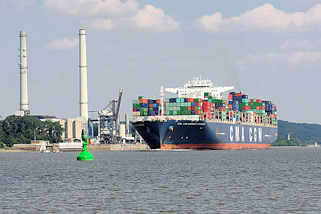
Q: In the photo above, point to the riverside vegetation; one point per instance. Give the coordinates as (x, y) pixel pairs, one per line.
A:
(21, 130)
(301, 134)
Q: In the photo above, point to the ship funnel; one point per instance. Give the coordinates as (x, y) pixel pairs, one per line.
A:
(83, 77)
(24, 100)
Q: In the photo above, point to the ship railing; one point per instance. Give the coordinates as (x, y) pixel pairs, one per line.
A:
(166, 118)
(243, 123)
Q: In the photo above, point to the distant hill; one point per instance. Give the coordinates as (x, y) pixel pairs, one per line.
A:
(304, 132)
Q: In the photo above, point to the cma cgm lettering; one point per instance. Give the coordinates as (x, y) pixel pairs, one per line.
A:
(199, 118)
(237, 134)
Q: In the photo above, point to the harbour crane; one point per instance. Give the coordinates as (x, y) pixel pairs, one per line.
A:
(108, 120)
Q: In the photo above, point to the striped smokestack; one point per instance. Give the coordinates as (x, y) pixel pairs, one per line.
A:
(24, 100)
(83, 76)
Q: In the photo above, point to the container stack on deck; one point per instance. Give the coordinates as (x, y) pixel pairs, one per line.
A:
(146, 107)
(183, 106)
(238, 107)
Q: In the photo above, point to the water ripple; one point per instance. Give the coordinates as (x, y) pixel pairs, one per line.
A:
(259, 181)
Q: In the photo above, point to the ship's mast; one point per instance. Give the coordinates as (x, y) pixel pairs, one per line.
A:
(161, 101)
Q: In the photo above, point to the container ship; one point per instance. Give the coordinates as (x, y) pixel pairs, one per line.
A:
(199, 117)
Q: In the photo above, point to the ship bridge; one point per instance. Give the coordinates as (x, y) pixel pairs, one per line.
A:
(197, 87)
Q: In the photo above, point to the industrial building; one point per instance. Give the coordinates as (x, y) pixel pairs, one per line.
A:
(72, 126)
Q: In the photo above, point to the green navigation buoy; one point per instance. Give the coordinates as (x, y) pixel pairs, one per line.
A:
(85, 155)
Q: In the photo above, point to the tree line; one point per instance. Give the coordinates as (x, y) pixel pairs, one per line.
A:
(300, 133)
(22, 130)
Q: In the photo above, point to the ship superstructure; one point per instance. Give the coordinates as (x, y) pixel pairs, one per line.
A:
(197, 87)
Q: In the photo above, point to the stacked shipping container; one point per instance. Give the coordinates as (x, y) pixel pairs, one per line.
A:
(146, 107)
(237, 107)
(183, 106)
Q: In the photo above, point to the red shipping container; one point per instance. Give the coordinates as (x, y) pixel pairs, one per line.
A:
(134, 109)
(193, 108)
(252, 100)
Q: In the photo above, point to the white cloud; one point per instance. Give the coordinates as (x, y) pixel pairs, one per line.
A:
(119, 12)
(154, 18)
(291, 58)
(302, 57)
(293, 44)
(62, 44)
(17, 4)
(265, 17)
(93, 7)
(102, 24)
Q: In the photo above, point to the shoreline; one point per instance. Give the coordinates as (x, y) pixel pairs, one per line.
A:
(14, 150)
(129, 147)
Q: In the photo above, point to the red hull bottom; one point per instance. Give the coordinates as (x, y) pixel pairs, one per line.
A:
(229, 146)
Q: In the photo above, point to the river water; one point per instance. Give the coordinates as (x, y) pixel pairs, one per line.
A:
(251, 181)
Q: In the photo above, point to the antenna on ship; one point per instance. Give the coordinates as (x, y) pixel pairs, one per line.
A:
(161, 101)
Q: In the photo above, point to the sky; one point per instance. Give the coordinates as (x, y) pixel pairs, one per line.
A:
(266, 49)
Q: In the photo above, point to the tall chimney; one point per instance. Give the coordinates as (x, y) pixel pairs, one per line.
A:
(83, 77)
(24, 101)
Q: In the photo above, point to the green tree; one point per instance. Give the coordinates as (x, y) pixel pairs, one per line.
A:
(22, 130)
(2, 137)
(281, 141)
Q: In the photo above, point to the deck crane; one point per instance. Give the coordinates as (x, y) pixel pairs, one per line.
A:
(108, 120)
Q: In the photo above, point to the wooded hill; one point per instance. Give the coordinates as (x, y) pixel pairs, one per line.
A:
(304, 132)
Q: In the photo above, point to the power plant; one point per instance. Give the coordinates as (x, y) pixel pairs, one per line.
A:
(106, 121)
(24, 100)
